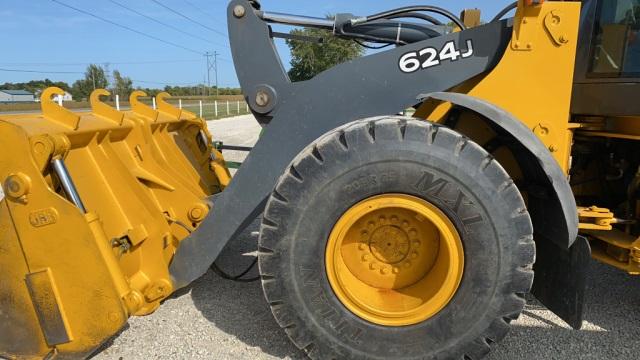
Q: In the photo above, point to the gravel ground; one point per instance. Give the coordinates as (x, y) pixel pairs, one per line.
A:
(218, 319)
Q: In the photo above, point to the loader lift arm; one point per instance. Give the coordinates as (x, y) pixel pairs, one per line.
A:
(374, 85)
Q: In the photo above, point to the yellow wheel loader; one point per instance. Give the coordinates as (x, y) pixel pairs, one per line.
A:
(382, 236)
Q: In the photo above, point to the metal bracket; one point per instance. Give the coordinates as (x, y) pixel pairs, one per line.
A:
(525, 31)
(556, 28)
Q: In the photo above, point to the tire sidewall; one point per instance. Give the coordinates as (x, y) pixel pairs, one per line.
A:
(434, 174)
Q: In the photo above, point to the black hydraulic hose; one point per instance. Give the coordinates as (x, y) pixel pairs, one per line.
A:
(237, 278)
(417, 15)
(223, 274)
(410, 9)
(505, 11)
(369, 38)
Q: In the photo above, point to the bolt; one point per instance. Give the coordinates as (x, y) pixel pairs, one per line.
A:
(396, 270)
(405, 223)
(113, 317)
(373, 266)
(407, 264)
(382, 219)
(18, 185)
(394, 219)
(262, 98)
(563, 39)
(365, 257)
(413, 232)
(414, 255)
(197, 213)
(239, 11)
(362, 246)
(417, 242)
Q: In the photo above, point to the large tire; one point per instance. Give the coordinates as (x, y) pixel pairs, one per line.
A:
(393, 155)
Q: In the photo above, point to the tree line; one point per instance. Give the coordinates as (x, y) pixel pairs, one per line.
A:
(307, 60)
(95, 77)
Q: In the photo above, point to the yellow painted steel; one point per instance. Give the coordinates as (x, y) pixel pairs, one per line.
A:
(534, 79)
(394, 260)
(70, 280)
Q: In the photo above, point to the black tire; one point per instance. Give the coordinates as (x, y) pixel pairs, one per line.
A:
(392, 155)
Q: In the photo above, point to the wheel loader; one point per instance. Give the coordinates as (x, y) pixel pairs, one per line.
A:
(382, 236)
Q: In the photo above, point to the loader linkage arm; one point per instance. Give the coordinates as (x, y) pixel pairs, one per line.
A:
(380, 84)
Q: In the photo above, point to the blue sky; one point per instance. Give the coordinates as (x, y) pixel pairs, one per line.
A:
(41, 35)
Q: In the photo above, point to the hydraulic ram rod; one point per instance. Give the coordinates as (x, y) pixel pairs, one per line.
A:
(296, 20)
(67, 183)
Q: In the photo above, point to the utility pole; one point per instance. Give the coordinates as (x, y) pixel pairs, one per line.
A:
(215, 56)
(93, 77)
(212, 65)
(107, 75)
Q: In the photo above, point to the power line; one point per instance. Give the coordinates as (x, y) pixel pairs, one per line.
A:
(163, 83)
(190, 19)
(126, 27)
(40, 72)
(160, 22)
(97, 62)
(78, 72)
(198, 8)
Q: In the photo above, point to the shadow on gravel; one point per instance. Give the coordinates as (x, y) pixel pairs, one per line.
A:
(240, 309)
(108, 343)
(610, 330)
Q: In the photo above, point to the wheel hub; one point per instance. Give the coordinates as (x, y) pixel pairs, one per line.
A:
(394, 259)
(389, 244)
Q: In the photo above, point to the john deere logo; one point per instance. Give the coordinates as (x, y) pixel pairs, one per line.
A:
(44, 217)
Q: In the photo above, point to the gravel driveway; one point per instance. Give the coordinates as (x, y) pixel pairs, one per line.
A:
(219, 319)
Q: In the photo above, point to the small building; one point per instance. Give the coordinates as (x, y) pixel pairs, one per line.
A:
(16, 96)
(66, 97)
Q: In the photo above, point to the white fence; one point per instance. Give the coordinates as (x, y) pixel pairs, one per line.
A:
(214, 109)
(206, 109)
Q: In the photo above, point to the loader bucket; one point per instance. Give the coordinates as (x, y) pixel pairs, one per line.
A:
(95, 206)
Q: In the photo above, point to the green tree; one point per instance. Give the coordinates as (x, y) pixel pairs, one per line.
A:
(123, 86)
(35, 86)
(94, 78)
(309, 59)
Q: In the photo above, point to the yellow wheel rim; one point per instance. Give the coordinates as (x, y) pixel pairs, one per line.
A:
(394, 260)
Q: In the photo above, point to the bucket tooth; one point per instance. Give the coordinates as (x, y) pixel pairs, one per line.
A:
(56, 113)
(103, 110)
(165, 107)
(141, 108)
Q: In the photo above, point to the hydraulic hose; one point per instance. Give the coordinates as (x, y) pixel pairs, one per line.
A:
(505, 11)
(409, 9)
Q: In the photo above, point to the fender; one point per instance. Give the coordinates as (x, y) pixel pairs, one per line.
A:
(555, 215)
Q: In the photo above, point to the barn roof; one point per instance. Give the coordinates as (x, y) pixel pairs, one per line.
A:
(16, 92)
